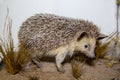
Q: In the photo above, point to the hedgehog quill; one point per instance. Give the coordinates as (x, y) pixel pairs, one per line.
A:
(58, 36)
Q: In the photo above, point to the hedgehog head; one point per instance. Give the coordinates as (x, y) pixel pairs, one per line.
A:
(85, 43)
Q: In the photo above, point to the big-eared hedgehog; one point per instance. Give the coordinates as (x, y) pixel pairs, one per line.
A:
(58, 36)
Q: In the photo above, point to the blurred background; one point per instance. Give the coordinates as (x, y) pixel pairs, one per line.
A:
(100, 12)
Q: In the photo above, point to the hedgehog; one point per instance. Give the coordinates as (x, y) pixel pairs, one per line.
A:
(58, 36)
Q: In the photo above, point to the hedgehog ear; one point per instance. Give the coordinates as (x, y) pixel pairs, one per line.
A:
(81, 34)
(101, 36)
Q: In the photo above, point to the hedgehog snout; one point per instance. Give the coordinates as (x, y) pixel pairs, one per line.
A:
(92, 55)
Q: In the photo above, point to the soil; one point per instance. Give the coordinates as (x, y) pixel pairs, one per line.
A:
(48, 71)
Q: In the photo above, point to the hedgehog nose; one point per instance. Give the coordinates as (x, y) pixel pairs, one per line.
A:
(93, 56)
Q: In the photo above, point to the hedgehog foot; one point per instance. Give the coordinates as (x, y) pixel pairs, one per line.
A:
(36, 63)
(61, 69)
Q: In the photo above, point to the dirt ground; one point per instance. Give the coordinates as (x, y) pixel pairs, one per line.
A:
(48, 71)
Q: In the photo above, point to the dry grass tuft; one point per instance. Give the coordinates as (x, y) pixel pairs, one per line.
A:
(14, 61)
(75, 68)
(102, 47)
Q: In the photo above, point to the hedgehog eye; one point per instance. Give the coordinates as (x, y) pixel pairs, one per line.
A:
(86, 46)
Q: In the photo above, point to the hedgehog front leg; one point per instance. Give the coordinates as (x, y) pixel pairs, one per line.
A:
(59, 59)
